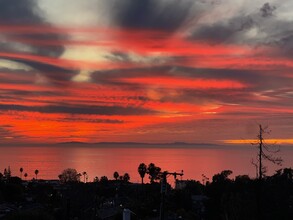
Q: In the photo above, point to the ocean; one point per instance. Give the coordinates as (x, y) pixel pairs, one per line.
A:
(105, 159)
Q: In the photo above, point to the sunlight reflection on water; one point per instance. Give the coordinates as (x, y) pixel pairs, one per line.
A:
(104, 160)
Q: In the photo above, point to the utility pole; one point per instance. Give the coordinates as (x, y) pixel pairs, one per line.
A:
(164, 176)
(260, 171)
(204, 179)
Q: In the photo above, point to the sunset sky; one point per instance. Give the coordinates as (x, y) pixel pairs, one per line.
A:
(156, 71)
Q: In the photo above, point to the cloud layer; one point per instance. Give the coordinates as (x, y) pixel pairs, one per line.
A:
(150, 71)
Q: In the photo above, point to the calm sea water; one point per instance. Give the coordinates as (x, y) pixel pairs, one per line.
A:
(105, 159)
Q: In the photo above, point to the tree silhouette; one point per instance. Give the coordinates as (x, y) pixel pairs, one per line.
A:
(153, 172)
(7, 173)
(286, 175)
(116, 175)
(79, 174)
(264, 153)
(21, 170)
(222, 177)
(36, 172)
(126, 177)
(84, 176)
(69, 175)
(142, 169)
(104, 179)
(96, 179)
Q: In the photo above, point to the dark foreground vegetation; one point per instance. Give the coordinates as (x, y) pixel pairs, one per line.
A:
(221, 198)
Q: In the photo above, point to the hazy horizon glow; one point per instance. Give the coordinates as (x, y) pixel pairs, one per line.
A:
(267, 141)
(145, 71)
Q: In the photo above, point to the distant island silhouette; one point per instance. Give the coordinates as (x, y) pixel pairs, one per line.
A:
(139, 143)
(143, 144)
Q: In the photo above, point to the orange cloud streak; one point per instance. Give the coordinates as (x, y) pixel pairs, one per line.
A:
(176, 82)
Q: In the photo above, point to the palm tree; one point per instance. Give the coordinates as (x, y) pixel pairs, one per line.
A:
(84, 174)
(116, 175)
(25, 176)
(153, 171)
(21, 170)
(36, 172)
(142, 168)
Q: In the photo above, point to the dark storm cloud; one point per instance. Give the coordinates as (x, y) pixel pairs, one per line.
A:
(216, 33)
(52, 50)
(217, 73)
(19, 12)
(257, 83)
(26, 12)
(113, 76)
(223, 31)
(152, 14)
(86, 110)
(259, 78)
(15, 81)
(270, 30)
(52, 72)
(17, 93)
(16, 77)
(283, 46)
(58, 74)
(267, 10)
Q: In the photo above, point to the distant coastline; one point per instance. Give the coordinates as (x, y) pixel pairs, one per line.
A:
(144, 144)
(119, 144)
(138, 144)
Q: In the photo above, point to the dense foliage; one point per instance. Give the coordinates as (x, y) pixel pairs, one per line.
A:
(222, 198)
